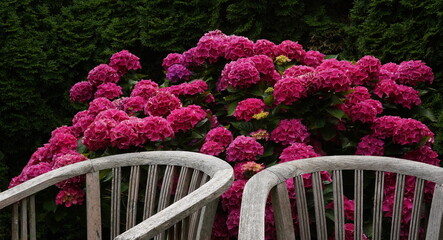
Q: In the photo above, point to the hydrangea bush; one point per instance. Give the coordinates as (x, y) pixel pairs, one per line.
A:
(254, 104)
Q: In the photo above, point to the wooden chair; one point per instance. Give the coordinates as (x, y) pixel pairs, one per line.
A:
(273, 180)
(178, 201)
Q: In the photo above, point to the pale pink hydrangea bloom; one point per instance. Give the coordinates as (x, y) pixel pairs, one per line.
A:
(134, 104)
(103, 73)
(81, 92)
(70, 196)
(413, 72)
(247, 108)
(289, 90)
(243, 149)
(220, 135)
(145, 89)
(97, 135)
(289, 131)
(365, 111)
(124, 61)
(265, 47)
(297, 70)
(238, 47)
(155, 129)
(292, 50)
(245, 170)
(171, 59)
(178, 73)
(212, 148)
(313, 58)
(108, 90)
(370, 146)
(162, 104)
(186, 118)
(100, 104)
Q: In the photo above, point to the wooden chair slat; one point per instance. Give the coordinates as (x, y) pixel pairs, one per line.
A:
(416, 209)
(151, 191)
(302, 208)
(183, 183)
(24, 219)
(378, 204)
(165, 194)
(319, 206)
(194, 220)
(93, 206)
(115, 201)
(282, 213)
(358, 201)
(134, 182)
(398, 206)
(435, 223)
(15, 222)
(32, 222)
(339, 215)
(206, 221)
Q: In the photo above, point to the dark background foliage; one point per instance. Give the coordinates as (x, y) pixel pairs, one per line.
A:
(47, 46)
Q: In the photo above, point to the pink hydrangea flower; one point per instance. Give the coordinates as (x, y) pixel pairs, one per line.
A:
(413, 72)
(220, 229)
(124, 61)
(297, 151)
(100, 104)
(212, 148)
(383, 127)
(247, 108)
(231, 199)
(333, 79)
(245, 170)
(103, 73)
(155, 129)
(191, 58)
(406, 96)
(145, 89)
(289, 131)
(289, 90)
(81, 92)
(357, 95)
(177, 73)
(389, 71)
(212, 46)
(243, 149)
(186, 118)
(365, 111)
(70, 196)
(292, 50)
(162, 104)
(62, 142)
(238, 47)
(219, 135)
(297, 70)
(313, 58)
(42, 154)
(349, 232)
(410, 131)
(112, 114)
(348, 206)
(108, 90)
(81, 121)
(370, 146)
(63, 129)
(134, 104)
(370, 65)
(33, 171)
(125, 134)
(97, 135)
(192, 88)
(233, 221)
(120, 102)
(265, 47)
(241, 74)
(67, 159)
(264, 64)
(171, 59)
(424, 154)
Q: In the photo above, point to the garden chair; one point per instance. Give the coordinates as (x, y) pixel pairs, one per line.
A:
(178, 201)
(273, 180)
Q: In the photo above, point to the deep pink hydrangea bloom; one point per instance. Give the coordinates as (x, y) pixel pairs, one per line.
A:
(97, 135)
(297, 70)
(383, 127)
(386, 87)
(412, 72)
(238, 47)
(192, 88)
(389, 71)
(313, 58)
(108, 90)
(292, 50)
(220, 229)
(134, 104)
(233, 221)
(212, 148)
(333, 79)
(219, 135)
(297, 151)
(81, 121)
(70, 196)
(191, 58)
(162, 104)
(241, 73)
(370, 146)
(349, 232)
(67, 159)
(423, 154)
(119, 103)
(62, 142)
(112, 114)
(247, 108)
(357, 95)
(145, 89)
(410, 131)
(103, 73)
(406, 96)
(212, 46)
(124, 61)
(348, 207)
(186, 118)
(125, 134)
(245, 170)
(243, 149)
(370, 65)
(63, 129)
(264, 64)
(33, 171)
(288, 90)
(81, 92)
(42, 154)
(178, 73)
(289, 131)
(365, 111)
(100, 104)
(171, 59)
(155, 129)
(265, 47)
(231, 199)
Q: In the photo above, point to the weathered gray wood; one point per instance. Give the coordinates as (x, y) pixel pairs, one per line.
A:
(165, 194)
(378, 205)
(24, 219)
(358, 204)
(15, 222)
(93, 220)
(134, 182)
(319, 206)
(207, 221)
(115, 201)
(193, 219)
(151, 193)
(339, 215)
(302, 208)
(32, 223)
(414, 226)
(282, 212)
(258, 187)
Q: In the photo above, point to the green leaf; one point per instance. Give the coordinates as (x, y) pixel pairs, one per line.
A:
(231, 108)
(335, 112)
(328, 133)
(269, 151)
(269, 100)
(331, 56)
(425, 112)
(49, 205)
(243, 126)
(316, 123)
(197, 135)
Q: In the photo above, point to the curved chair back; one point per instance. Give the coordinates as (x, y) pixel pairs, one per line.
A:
(273, 180)
(170, 194)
